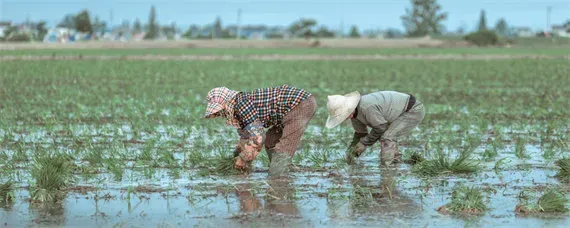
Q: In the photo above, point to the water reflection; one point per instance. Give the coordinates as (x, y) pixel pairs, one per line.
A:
(48, 213)
(372, 195)
(381, 199)
(279, 197)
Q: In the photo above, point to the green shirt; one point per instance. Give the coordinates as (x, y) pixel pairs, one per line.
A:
(377, 110)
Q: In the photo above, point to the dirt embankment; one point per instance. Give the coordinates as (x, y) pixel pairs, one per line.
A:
(295, 43)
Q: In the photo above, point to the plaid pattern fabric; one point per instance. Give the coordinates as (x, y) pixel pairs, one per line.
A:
(269, 105)
(221, 101)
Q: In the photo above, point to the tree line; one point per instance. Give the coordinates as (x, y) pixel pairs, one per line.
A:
(424, 17)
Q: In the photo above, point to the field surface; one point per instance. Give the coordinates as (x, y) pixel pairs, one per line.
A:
(101, 143)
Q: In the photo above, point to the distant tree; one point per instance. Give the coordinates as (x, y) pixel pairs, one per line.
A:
(153, 27)
(354, 32)
(83, 22)
(501, 27)
(99, 26)
(324, 32)
(188, 33)
(424, 18)
(126, 25)
(137, 28)
(42, 30)
(217, 28)
(303, 27)
(482, 22)
(169, 30)
(68, 21)
(393, 33)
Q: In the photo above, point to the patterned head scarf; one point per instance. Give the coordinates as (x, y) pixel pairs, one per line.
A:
(221, 103)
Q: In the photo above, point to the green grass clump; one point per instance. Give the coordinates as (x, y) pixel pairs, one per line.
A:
(6, 192)
(552, 201)
(52, 173)
(465, 201)
(564, 172)
(441, 164)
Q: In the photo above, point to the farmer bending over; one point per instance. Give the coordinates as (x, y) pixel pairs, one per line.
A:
(389, 114)
(286, 110)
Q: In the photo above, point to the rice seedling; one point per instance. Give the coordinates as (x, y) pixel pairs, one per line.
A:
(465, 201)
(225, 166)
(552, 201)
(299, 158)
(498, 164)
(520, 150)
(564, 169)
(94, 156)
(166, 160)
(196, 159)
(7, 193)
(549, 154)
(52, 173)
(320, 158)
(19, 154)
(441, 164)
(490, 153)
(115, 167)
(263, 159)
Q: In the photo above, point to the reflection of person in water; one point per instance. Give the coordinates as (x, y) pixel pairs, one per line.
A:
(383, 199)
(279, 198)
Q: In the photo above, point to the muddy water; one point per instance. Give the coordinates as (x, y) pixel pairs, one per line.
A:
(338, 196)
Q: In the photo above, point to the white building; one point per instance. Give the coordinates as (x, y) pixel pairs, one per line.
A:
(561, 30)
(3, 27)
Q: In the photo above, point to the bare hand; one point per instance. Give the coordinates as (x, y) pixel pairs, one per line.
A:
(239, 163)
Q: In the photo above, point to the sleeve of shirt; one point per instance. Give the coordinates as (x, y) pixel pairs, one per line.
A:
(378, 125)
(251, 133)
(358, 126)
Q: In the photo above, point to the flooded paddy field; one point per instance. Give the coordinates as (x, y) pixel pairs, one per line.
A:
(91, 143)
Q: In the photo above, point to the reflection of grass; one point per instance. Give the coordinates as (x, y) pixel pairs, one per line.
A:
(441, 164)
(564, 172)
(552, 201)
(52, 173)
(465, 201)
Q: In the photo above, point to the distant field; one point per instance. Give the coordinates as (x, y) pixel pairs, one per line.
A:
(291, 51)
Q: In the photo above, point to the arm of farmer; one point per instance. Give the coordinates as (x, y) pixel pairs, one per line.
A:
(251, 132)
(378, 125)
(360, 130)
(250, 144)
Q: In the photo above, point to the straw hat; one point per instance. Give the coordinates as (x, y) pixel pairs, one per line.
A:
(340, 107)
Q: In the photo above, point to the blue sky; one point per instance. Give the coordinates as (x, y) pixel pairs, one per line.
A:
(366, 14)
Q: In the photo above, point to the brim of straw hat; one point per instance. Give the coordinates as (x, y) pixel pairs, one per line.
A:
(349, 105)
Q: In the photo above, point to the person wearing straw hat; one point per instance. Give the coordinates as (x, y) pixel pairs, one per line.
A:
(389, 114)
(285, 110)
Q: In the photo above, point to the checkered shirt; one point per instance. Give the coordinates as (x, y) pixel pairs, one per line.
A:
(269, 105)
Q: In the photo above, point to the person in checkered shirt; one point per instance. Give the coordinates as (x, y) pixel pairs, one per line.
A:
(285, 110)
